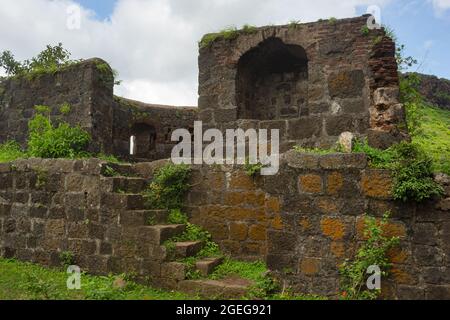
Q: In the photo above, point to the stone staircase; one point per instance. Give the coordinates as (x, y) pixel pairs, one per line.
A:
(126, 186)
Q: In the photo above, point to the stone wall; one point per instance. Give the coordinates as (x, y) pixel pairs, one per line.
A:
(82, 86)
(152, 125)
(312, 81)
(110, 120)
(309, 218)
(304, 221)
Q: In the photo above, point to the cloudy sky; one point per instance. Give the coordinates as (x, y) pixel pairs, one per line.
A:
(153, 43)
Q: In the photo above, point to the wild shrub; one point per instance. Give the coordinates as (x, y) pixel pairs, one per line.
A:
(168, 187)
(373, 252)
(47, 141)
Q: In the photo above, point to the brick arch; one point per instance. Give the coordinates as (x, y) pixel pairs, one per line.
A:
(272, 80)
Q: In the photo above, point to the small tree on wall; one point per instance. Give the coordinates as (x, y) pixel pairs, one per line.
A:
(49, 60)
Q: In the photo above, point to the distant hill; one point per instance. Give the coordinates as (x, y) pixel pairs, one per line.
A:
(435, 90)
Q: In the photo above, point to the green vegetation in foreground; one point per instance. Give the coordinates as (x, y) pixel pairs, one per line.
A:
(434, 137)
(10, 151)
(25, 281)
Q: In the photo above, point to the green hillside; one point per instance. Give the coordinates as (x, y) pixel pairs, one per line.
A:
(434, 136)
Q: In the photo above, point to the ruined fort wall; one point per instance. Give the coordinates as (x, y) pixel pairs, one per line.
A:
(342, 89)
(304, 221)
(82, 86)
(137, 118)
(88, 89)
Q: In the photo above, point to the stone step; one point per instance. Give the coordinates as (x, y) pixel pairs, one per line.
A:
(231, 288)
(128, 184)
(187, 249)
(136, 218)
(115, 169)
(160, 233)
(206, 266)
(121, 201)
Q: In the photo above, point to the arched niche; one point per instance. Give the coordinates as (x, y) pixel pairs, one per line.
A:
(272, 81)
(142, 140)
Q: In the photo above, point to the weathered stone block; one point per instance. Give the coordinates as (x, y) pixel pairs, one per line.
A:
(257, 232)
(333, 228)
(304, 128)
(377, 183)
(310, 183)
(343, 161)
(309, 266)
(238, 231)
(346, 84)
(301, 160)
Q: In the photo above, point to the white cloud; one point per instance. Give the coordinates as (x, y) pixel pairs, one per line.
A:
(152, 43)
(440, 6)
(428, 44)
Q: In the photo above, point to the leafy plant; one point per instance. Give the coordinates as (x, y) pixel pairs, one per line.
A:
(47, 141)
(332, 20)
(108, 171)
(413, 102)
(177, 217)
(251, 169)
(293, 24)
(65, 109)
(229, 33)
(264, 286)
(51, 59)
(38, 288)
(380, 159)
(108, 75)
(373, 252)
(411, 166)
(168, 187)
(365, 30)
(10, 151)
(67, 258)
(413, 175)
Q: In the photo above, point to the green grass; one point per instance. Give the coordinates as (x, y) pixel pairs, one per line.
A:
(434, 137)
(228, 33)
(247, 270)
(10, 151)
(25, 281)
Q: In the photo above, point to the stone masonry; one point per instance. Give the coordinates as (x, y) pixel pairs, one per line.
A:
(304, 221)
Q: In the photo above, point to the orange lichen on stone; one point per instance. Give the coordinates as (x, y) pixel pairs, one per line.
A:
(310, 266)
(238, 231)
(310, 183)
(272, 204)
(327, 205)
(397, 255)
(376, 183)
(335, 181)
(338, 249)
(243, 214)
(391, 229)
(257, 232)
(241, 181)
(255, 199)
(402, 277)
(333, 228)
(277, 222)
